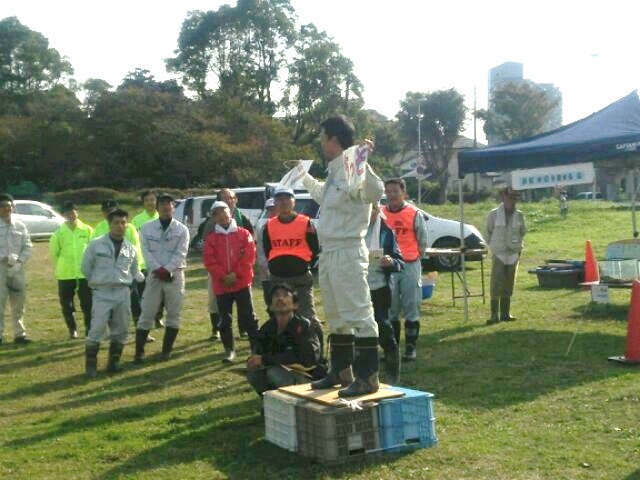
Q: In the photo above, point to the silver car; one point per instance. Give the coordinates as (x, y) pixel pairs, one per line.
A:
(40, 219)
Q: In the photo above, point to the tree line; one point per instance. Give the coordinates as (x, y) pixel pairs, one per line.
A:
(251, 88)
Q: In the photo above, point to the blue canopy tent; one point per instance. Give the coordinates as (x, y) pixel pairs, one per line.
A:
(611, 134)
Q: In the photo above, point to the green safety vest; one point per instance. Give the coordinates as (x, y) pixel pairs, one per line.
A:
(67, 247)
(131, 235)
(143, 217)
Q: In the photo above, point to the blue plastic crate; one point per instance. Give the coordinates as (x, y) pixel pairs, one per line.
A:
(407, 422)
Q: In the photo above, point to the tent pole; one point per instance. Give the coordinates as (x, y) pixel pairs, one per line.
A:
(633, 204)
(462, 259)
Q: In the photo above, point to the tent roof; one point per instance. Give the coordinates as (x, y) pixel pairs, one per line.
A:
(612, 132)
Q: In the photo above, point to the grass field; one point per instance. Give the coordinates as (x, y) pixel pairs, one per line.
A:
(509, 403)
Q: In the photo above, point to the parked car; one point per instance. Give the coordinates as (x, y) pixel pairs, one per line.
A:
(441, 233)
(588, 196)
(193, 211)
(41, 219)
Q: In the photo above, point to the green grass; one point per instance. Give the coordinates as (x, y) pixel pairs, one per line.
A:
(509, 403)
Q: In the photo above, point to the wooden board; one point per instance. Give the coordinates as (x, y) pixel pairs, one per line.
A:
(330, 396)
(452, 252)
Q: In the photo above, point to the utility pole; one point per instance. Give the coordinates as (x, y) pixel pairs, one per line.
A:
(419, 160)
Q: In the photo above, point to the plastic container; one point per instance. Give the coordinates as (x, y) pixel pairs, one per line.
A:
(428, 285)
(550, 277)
(335, 434)
(407, 422)
(280, 419)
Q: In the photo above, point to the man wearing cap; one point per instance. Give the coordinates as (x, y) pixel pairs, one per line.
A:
(406, 286)
(505, 234)
(344, 260)
(165, 244)
(290, 244)
(229, 253)
(287, 348)
(110, 265)
(15, 250)
(133, 237)
(66, 246)
(229, 197)
(261, 259)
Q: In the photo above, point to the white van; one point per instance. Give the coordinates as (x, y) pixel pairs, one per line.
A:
(192, 211)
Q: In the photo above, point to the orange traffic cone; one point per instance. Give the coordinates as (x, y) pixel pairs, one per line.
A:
(591, 274)
(632, 352)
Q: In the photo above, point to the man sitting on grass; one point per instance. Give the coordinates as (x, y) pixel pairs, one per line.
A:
(287, 347)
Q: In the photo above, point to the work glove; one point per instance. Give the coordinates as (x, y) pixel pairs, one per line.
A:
(162, 274)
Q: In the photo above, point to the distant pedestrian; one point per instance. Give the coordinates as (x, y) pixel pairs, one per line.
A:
(67, 246)
(165, 243)
(110, 265)
(15, 251)
(505, 234)
(229, 254)
(564, 204)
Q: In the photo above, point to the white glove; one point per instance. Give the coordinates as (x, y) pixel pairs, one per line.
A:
(139, 277)
(14, 269)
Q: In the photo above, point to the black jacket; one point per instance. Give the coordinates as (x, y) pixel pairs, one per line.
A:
(296, 344)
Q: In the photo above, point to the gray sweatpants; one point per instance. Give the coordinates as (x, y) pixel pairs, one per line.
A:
(13, 289)
(406, 293)
(155, 292)
(111, 307)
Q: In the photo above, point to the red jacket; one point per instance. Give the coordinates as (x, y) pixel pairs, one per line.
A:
(234, 252)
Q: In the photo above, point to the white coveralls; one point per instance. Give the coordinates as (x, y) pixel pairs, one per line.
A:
(344, 259)
(110, 279)
(15, 250)
(164, 248)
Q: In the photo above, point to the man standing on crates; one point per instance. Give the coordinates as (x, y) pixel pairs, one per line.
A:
(406, 286)
(505, 233)
(165, 243)
(346, 206)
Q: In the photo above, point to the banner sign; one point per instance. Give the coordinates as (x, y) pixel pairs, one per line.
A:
(574, 174)
(293, 178)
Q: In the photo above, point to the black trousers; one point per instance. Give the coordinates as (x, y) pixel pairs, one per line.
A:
(246, 317)
(67, 290)
(381, 300)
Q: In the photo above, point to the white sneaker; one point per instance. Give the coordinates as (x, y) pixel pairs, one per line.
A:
(231, 356)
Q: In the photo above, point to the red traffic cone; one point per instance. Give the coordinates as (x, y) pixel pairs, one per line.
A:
(591, 273)
(632, 352)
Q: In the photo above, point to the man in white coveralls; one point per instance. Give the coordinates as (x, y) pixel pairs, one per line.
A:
(345, 209)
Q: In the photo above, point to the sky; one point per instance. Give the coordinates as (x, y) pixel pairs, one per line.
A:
(587, 49)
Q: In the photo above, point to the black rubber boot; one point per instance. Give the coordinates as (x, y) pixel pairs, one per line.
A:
(505, 306)
(215, 319)
(141, 339)
(91, 359)
(396, 330)
(495, 302)
(170, 335)
(392, 365)
(115, 352)
(365, 367)
(341, 360)
(411, 332)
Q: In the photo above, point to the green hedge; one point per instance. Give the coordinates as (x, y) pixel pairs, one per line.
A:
(86, 196)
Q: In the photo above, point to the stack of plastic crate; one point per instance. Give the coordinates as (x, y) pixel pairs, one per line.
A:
(280, 419)
(407, 422)
(332, 434)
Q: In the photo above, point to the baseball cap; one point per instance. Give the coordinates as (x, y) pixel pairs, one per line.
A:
(218, 204)
(284, 191)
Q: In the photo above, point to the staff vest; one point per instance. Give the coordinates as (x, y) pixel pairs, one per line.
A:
(402, 223)
(289, 238)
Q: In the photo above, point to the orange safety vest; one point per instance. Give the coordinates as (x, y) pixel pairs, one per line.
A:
(402, 222)
(289, 238)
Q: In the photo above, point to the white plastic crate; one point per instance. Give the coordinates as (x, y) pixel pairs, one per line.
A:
(280, 419)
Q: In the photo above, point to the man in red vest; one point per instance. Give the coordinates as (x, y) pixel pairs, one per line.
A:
(290, 243)
(406, 286)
